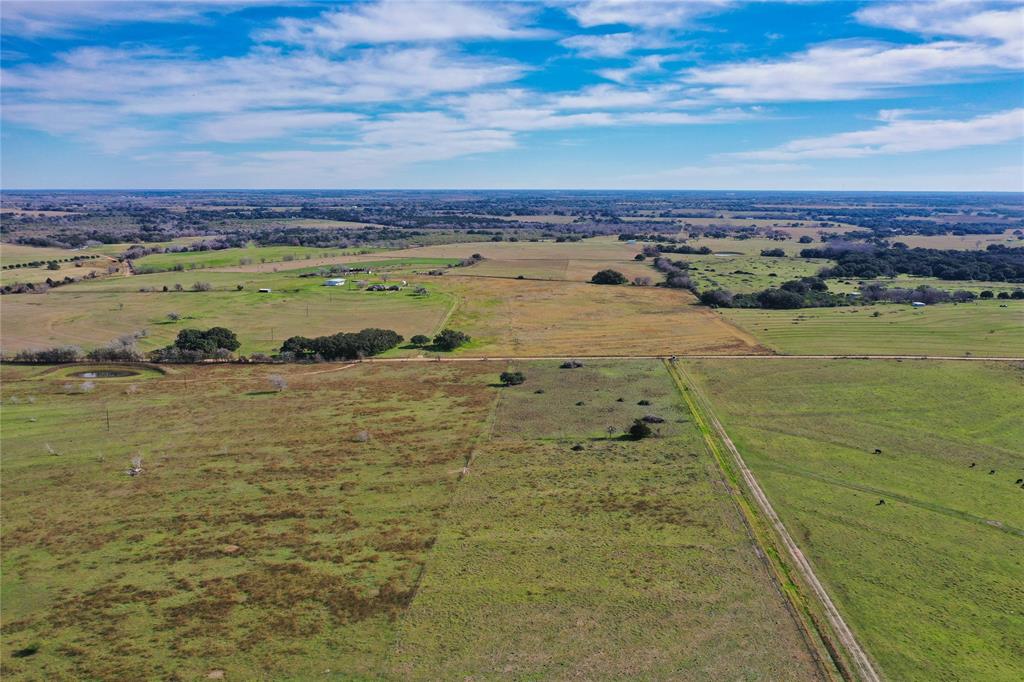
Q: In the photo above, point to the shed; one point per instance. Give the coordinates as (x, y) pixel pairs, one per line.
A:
(264, 291)
(335, 282)
(918, 304)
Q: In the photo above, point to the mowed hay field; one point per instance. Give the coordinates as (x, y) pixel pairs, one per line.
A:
(265, 537)
(978, 328)
(930, 581)
(91, 314)
(523, 317)
(623, 560)
(191, 260)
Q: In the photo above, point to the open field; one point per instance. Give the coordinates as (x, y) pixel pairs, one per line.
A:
(191, 260)
(622, 560)
(513, 317)
(964, 241)
(94, 313)
(41, 274)
(743, 274)
(11, 254)
(559, 269)
(603, 249)
(929, 580)
(263, 538)
(978, 328)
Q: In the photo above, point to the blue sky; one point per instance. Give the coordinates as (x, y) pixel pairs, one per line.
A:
(714, 94)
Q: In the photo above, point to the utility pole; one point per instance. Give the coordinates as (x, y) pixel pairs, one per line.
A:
(106, 408)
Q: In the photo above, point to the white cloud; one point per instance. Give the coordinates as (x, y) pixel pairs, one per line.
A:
(899, 136)
(644, 65)
(393, 21)
(37, 18)
(966, 18)
(845, 70)
(642, 13)
(258, 125)
(612, 44)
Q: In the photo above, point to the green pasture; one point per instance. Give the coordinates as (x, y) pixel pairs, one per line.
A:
(93, 313)
(899, 481)
(192, 260)
(978, 328)
(619, 560)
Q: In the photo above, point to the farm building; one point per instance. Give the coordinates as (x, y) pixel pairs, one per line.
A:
(264, 291)
(918, 304)
(335, 282)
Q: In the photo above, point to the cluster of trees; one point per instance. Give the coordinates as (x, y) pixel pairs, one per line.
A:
(807, 292)
(450, 339)
(342, 346)
(870, 293)
(196, 345)
(997, 263)
(608, 277)
(676, 275)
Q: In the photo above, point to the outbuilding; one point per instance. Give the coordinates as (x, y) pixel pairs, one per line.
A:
(335, 282)
(264, 291)
(918, 304)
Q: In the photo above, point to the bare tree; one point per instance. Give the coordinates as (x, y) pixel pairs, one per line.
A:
(173, 317)
(611, 431)
(278, 382)
(136, 467)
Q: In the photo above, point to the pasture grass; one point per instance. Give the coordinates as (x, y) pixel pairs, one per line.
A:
(929, 580)
(978, 328)
(622, 560)
(192, 260)
(547, 405)
(513, 317)
(93, 313)
(749, 273)
(263, 538)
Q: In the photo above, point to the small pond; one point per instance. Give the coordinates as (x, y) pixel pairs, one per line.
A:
(106, 374)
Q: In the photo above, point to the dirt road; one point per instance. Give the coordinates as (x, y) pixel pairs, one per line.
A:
(865, 668)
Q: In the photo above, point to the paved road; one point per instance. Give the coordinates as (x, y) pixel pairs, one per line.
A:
(865, 668)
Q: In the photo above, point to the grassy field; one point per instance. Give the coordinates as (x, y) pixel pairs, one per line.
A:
(264, 537)
(512, 317)
(93, 313)
(192, 260)
(979, 328)
(744, 274)
(965, 241)
(623, 560)
(929, 580)
(19, 253)
(603, 249)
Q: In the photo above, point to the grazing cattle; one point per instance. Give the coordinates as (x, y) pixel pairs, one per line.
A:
(1020, 480)
(991, 471)
(880, 502)
(972, 465)
(877, 451)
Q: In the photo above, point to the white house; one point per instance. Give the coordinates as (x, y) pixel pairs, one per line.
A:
(335, 282)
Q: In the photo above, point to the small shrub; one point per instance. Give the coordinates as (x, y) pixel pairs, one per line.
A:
(640, 429)
(420, 340)
(512, 378)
